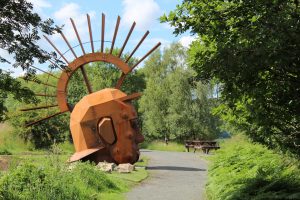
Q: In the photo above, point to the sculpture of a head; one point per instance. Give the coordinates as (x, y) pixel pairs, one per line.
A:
(103, 123)
(104, 127)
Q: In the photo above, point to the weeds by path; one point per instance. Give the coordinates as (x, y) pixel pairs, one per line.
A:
(241, 170)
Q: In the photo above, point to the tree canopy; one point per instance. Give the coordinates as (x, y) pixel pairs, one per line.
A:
(252, 49)
(20, 30)
(173, 104)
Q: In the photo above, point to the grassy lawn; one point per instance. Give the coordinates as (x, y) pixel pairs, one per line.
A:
(21, 168)
(161, 146)
(57, 170)
(10, 143)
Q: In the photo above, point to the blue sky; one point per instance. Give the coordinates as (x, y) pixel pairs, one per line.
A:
(144, 12)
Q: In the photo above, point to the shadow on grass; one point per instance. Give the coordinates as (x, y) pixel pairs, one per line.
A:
(174, 168)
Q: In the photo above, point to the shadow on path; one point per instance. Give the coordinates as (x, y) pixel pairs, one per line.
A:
(174, 168)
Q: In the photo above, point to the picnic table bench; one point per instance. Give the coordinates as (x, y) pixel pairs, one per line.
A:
(204, 145)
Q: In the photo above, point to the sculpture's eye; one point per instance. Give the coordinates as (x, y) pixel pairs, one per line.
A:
(135, 124)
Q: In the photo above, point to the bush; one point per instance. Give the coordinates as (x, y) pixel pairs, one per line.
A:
(43, 134)
(5, 152)
(29, 181)
(242, 170)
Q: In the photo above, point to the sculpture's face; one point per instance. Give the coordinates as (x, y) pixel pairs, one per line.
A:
(126, 149)
(104, 127)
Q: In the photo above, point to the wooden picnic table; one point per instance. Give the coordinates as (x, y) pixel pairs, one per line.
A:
(204, 145)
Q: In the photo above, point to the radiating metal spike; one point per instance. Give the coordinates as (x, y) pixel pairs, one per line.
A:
(40, 82)
(120, 81)
(39, 107)
(56, 49)
(56, 65)
(131, 96)
(44, 95)
(90, 31)
(126, 40)
(86, 80)
(67, 42)
(115, 35)
(45, 72)
(122, 77)
(40, 120)
(137, 46)
(77, 35)
(145, 56)
(102, 32)
(67, 69)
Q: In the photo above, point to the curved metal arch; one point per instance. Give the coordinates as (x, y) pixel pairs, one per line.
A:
(78, 63)
(63, 81)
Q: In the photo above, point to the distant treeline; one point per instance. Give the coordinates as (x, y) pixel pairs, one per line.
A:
(174, 104)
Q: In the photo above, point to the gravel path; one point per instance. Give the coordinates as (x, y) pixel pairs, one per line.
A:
(173, 176)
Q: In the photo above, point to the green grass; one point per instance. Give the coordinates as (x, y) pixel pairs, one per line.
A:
(10, 143)
(161, 146)
(243, 170)
(66, 147)
(39, 174)
(32, 176)
(55, 181)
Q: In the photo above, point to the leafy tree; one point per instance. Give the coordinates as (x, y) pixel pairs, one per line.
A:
(252, 48)
(19, 33)
(174, 105)
(44, 134)
(76, 88)
(202, 120)
(9, 85)
(153, 103)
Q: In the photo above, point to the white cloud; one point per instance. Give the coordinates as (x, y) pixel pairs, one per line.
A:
(67, 11)
(15, 72)
(168, 26)
(187, 40)
(63, 15)
(143, 12)
(38, 5)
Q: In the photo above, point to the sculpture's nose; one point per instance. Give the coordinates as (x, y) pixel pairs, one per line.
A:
(139, 138)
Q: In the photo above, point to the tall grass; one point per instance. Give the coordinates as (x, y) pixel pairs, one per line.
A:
(10, 142)
(29, 181)
(242, 170)
(46, 175)
(50, 177)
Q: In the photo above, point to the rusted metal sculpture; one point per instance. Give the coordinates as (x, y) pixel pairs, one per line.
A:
(103, 124)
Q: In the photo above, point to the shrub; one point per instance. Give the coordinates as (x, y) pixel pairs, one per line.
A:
(29, 181)
(5, 152)
(43, 134)
(242, 170)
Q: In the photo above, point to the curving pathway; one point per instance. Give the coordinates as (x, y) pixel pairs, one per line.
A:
(172, 176)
